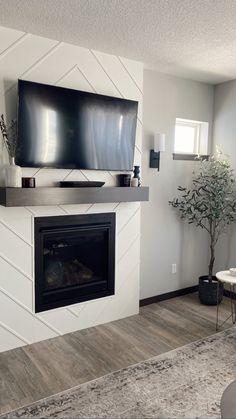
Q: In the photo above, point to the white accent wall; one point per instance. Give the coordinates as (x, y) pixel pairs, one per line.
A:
(30, 57)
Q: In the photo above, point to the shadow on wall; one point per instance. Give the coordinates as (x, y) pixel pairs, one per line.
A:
(225, 250)
(149, 140)
(192, 256)
(10, 98)
(8, 107)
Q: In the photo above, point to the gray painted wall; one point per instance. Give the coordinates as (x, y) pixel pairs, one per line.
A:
(164, 238)
(224, 134)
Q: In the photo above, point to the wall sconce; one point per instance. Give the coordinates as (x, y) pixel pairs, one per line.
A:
(159, 145)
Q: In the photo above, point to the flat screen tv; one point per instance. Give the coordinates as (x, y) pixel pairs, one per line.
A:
(65, 128)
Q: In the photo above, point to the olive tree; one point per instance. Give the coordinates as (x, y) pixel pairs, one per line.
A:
(210, 202)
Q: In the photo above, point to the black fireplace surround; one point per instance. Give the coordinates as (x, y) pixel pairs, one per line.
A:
(74, 259)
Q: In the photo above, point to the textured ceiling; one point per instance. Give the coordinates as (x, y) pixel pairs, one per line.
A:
(189, 38)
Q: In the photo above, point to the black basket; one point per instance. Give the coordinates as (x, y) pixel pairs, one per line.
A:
(207, 291)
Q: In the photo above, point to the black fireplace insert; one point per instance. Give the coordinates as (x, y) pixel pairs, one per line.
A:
(74, 259)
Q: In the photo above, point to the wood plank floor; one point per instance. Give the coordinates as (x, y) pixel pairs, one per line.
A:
(35, 371)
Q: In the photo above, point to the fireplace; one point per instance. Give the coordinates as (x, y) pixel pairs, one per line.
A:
(74, 259)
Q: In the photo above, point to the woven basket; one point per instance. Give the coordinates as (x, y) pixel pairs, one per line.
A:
(207, 290)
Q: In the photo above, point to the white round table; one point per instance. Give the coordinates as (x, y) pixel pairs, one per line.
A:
(226, 278)
(228, 402)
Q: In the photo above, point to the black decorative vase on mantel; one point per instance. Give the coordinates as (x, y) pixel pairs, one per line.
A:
(207, 290)
(137, 174)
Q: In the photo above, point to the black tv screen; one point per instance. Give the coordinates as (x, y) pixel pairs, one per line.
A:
(65, 128)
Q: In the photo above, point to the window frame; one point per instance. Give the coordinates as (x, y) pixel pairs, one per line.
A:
(200, 140)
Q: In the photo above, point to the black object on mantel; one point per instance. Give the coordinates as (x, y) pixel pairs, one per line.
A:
(81, 184)
(137, 174)
(124, 180)
(28, 182)
(18, 197)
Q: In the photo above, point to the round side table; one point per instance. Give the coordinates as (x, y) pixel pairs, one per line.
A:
(228, 402)
(226, 278)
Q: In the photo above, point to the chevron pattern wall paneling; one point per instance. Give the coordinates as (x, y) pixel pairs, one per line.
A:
(31, 57)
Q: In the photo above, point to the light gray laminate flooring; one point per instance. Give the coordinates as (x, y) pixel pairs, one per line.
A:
(35, 371)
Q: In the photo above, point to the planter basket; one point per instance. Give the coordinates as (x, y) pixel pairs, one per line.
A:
(208, 290)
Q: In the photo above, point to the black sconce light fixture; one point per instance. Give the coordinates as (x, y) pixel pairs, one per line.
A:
(159, 145)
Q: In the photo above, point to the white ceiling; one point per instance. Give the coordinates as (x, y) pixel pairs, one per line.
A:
(190, 38)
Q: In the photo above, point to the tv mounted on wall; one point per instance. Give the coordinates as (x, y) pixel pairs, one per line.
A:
(65, 128)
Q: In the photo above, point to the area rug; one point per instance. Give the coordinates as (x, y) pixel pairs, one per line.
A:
(187, 382)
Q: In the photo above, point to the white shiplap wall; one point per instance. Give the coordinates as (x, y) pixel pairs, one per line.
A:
(31, 57)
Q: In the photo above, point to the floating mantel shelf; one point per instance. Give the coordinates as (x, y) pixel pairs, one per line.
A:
(18, 197)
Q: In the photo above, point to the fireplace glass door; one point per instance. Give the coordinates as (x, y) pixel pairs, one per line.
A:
(77, 258)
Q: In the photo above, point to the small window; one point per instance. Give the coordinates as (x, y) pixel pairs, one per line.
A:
(191, 137)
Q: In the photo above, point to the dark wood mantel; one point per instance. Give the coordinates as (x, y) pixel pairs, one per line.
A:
(23, 197)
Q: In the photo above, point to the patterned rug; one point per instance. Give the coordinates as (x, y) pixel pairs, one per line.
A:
(185, 383)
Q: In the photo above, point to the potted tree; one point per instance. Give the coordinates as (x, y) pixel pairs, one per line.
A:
(210, 203)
